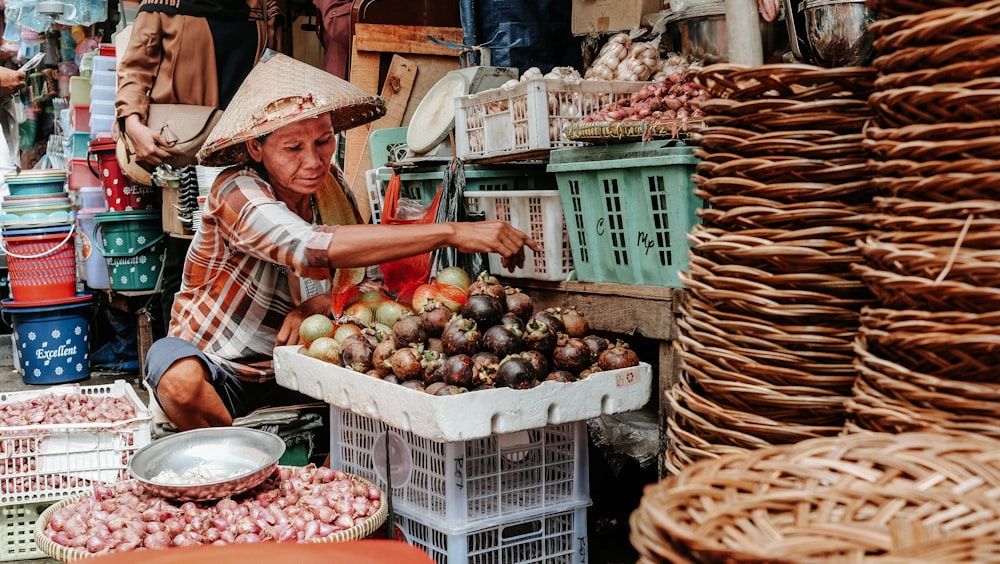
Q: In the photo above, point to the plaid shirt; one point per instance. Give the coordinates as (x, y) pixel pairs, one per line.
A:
(235, 291)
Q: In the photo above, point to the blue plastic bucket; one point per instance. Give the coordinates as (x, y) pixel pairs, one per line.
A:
(51, 341)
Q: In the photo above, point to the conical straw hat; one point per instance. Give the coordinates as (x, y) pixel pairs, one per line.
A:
(278, 91)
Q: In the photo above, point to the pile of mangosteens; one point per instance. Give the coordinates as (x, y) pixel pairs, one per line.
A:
(454, 339)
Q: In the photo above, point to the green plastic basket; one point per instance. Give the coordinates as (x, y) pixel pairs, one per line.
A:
(628, 210)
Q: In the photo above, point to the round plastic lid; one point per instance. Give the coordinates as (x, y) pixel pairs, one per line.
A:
(435, 115)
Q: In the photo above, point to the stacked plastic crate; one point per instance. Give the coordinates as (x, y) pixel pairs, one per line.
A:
(45, 462)
(482, 477)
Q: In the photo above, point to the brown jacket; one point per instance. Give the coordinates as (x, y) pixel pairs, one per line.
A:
(170, 59)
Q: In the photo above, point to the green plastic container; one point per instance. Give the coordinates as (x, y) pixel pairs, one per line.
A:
(628, 210)
(134, 245)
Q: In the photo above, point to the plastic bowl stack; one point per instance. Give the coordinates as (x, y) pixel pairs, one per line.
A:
(928, 355)
(766, 336)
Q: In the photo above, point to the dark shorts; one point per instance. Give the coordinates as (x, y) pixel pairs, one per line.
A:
(240, 397)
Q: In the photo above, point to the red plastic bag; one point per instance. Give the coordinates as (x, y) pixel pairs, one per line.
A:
(404, 275)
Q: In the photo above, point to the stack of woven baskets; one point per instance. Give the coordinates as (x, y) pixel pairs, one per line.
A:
(766, 334)
(929, 355)
(865, 497)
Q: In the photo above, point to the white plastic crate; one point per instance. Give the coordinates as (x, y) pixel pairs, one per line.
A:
(465, 484)
(17, 535)
(464, 416)
(538, 213)
(552, 538)
(529, 116)
(52, 461)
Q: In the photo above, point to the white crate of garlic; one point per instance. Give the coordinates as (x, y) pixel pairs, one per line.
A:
(531, 114)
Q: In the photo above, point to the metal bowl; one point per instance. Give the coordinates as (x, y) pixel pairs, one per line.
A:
(837, 31)
(228, 461)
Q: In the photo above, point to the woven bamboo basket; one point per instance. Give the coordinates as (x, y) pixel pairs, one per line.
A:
(956, 72)
(954, 345)
(916, 292)
(773, 114)
(68, 554)
(871, 410)
(787, 192)
(751, 422)
(972, 232)
(833, 499)
(907, 167)
(957, 105)
(807, 145)
(944, 131)
(786, 82)
(925, 390)
(972, 266)
(705, 430)
(685, 447)
(630, 131)
(739, 213)
(787, 170)
(934, 26)
(815, 342)
(825, 286)
(981, 148)
(937, 56)
(905, 207)
(944, 187)
(823, 248)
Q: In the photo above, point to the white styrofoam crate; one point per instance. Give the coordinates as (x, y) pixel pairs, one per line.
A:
(466, 484)
(538, 213)
(530, 115)
(465, 416)
(17, 535)
(52, 461)
(553, 538)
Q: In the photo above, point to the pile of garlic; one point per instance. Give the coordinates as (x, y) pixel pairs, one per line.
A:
(623, 59)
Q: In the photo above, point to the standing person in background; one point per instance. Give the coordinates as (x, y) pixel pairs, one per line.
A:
(11, 81)
(335, 34)
(186, 52)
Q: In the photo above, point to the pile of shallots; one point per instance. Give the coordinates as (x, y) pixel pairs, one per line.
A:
(61, 409)
(293, 505)
(676, 98)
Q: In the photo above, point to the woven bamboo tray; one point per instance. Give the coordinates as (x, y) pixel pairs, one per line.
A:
(801, 144)
(908, 167)
(957, 72)
(871, 410)
(786, 82)
(629, 131)
(822, 285)
(955, 345)
(944, 187)
(935, 26)
(955, 104)
(785, 192)
(773, 114)
(820, 250)
(685, 447)
(837, 499)
(706, 431)
(945, 131)
(68, 554)
(788, 170)
(937, 56)
(916, 292)
(972, 266)
(905, 207)
(920, 389)
(981, 148)
(817, 343)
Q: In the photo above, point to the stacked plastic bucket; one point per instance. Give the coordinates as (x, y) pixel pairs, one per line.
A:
(49, 317)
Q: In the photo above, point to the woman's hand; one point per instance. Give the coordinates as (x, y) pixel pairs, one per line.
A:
(149, 147)
(289, 332)
(494, 237)
(10, 81)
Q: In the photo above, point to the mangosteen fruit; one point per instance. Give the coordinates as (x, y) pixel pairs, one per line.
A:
(406, 363)
(597, 344)
(551, 319)
(539, 363)
(484, 309)
(519, 303)
(408, 330)
(501, 341)
(570, 354)
(356, 353)
(435, 319)
(460, 335)
(487, 284)
(457, 370)
(538, 336)
(514, 372)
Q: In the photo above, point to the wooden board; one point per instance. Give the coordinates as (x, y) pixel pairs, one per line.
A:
(368, 44)
(396, 92)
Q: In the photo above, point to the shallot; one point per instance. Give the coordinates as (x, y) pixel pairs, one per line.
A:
(292, 505)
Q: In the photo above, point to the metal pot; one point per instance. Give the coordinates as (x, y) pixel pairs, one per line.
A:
(704, 37)
(836, 31)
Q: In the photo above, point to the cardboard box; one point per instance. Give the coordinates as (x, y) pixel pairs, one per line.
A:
(600, 16)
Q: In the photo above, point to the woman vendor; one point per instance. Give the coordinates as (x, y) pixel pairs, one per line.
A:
(278, 227)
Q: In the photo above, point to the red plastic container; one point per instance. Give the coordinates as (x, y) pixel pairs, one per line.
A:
(41, 263)
(120, 194)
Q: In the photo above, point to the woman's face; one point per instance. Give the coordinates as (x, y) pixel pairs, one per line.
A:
(297, 156)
